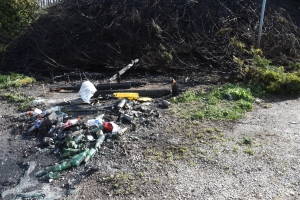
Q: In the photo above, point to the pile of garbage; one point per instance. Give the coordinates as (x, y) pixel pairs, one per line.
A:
(77, 140)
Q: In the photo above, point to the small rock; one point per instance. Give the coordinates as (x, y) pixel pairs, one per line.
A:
(258, 101)
(153, 138)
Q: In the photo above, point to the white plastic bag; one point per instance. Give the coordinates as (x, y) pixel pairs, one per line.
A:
(86, 91)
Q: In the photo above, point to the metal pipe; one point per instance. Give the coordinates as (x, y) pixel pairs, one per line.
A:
(261, 22)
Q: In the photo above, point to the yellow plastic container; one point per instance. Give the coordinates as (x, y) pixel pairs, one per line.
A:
(130, 96)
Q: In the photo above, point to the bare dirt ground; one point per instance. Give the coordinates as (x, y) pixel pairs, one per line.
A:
(172, 158)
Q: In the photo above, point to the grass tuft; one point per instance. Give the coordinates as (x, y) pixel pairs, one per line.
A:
(229, 102)
(121, 183)
(249, 151)
(14, 80)
(20, 100)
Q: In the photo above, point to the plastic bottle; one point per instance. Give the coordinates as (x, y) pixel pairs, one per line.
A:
(71, 122)
(99, 141)
(36, 125)
(61, 167)
(52, 129)
(31, 113)
(98, 121)
(93, 122)
(90, 154)
(78, 158)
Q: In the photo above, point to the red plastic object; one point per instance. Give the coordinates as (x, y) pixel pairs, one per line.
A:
(108, 126)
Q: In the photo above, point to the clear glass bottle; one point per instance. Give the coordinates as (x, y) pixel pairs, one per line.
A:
(99, 141)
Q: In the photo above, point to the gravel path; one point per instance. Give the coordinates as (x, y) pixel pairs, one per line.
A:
(272, 172)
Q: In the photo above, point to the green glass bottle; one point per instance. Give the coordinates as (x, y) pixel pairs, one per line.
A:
(70, 152)
(90, 154)
(78, 158)
(61, 167)
(50, 175)
(73, 144)
(78, 138)
(100, 127)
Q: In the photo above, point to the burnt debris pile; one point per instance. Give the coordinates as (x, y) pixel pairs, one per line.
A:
(185, 34)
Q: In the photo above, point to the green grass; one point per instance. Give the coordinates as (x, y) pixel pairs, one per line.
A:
(229, 102)
(21, 101)
(14, 80)
(8, 83)
(273, 79)
(249, 151)
(121, 183)
(168, 153)
(235, 149)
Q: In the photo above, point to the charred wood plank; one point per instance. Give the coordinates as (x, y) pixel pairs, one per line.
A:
(127, 85)
(98, 87)
(122, 71)
(145, 93)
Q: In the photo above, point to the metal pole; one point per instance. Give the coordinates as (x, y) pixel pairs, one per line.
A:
(261, 22)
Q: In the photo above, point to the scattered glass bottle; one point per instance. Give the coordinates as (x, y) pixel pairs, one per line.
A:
(71, 122)
(78, 138)
(51, 110)
(90, 154)
(36, 125)
(99, 141)
(61, 167)
(50, 175)
(78, 158)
